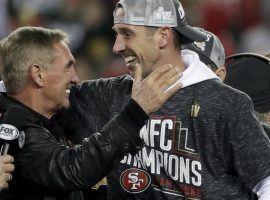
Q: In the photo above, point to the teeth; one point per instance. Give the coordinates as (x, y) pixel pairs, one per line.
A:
(67, 91)
(129, 59)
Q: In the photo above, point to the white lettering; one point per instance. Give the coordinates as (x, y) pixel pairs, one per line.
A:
(184, 170)
(149, 160)
(165, 123)
(134, 180)
(153, 132)
(198, 180)
(173, 167)
(159, 161)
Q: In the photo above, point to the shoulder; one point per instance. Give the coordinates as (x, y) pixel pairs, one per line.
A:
(99, 89)
(118, 81)
(219, 97)
(218, 91)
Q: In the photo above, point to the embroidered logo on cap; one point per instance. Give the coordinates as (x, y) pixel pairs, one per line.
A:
(162, 17)
(200, 45)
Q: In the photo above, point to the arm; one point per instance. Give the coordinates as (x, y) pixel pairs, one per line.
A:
(249, 144)
(50, 164)
(47, 163)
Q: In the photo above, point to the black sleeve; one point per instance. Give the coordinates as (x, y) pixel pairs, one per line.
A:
(52, 165)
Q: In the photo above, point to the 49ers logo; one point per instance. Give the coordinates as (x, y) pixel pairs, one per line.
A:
(135, 180)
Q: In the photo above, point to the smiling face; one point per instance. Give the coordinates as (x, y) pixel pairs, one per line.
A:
(58, 78)
(137, 44)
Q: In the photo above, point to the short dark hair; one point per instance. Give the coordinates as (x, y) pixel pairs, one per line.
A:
(176, 36)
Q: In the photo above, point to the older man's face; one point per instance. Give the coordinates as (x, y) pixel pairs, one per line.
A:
(59, 78)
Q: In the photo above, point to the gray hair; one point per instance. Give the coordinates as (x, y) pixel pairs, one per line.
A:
(23, 48)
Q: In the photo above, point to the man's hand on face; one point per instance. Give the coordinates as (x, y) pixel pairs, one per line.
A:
(151, 93)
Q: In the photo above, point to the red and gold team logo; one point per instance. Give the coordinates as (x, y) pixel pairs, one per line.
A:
(135, 180)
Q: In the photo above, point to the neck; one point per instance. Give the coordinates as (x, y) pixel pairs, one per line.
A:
(34, 101)
(174, 58)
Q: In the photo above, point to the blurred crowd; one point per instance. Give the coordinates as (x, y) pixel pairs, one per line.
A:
(241, 25)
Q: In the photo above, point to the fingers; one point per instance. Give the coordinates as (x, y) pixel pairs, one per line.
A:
(6, 163)
(8, 177)
(165, 76)
(138, 74)
(159, 72)
(170, 81)
(4, 179)
(6, 159)
(151, 93)
(172, 90)
(8, 167)
(3, 185)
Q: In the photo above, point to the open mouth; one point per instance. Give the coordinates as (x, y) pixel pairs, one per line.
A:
(67, 91)
(129, 60)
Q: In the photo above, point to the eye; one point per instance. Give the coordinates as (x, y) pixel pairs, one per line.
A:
(70, 65)
(127, 34)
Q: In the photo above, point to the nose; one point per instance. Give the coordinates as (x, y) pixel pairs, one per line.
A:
(119, 45)
(74, 77)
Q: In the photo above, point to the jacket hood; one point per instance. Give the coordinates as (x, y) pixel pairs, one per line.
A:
(195, 72)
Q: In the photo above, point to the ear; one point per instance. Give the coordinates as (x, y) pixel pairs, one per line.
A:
(221, 73)
(165, 36)
(36, 74)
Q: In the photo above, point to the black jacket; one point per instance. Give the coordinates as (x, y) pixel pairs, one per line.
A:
(46, 168)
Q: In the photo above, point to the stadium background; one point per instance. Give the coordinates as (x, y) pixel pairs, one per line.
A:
(241, 25)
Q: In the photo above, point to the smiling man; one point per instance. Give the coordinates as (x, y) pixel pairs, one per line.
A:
(38, 72)
(203, 143)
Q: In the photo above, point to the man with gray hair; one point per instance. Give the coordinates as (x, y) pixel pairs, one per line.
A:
(38, 71)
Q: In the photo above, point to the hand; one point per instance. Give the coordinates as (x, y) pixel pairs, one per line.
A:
(6, 167)
(150, 93)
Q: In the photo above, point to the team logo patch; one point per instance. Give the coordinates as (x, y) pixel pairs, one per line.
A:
(21, 139)
(135, 180)
(200, 45)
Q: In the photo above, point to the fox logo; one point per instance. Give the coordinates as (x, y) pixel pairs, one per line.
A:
(8, 132)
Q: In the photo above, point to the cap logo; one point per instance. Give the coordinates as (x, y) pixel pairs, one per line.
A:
(208, 36)
(181, 11)
(200, 45)
(119, 12)
(162, 17)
